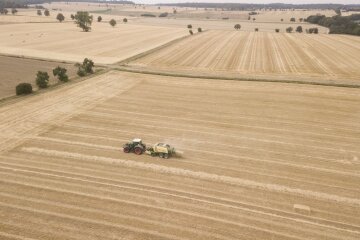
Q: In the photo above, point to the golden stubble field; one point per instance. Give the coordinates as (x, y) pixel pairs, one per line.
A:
(261, 160)
(256, 155)
(66, 42)
(304, 57)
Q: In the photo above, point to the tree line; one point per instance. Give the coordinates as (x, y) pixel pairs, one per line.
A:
(251, 6)
(42, 78)
(25, 3)
(338, 24)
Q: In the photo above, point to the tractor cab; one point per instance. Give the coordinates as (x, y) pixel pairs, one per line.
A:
(137, 141)
(136, 146)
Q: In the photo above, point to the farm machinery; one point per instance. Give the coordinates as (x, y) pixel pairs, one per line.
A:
(136, 146)
(163, 150)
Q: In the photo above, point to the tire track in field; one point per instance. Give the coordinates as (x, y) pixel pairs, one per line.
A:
(187, 233)
(312, 184)
(202, 129)
(181, 213)
(102, 110)
(73, 174)
(18, 121)
(81, 125)
(199, 175)
(224, 119)
(195, 190)
(121, 140)
(223, 220)
(284, 216)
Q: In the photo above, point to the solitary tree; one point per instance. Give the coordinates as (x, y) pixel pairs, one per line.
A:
(299, 29)
(237, 26)
(99, 19)
(191, 32)
(112, 22)
(42, 79)
(292, 19)
(72, 16)
(277, 30)
(14, 11)
(254, 19)
(175, 12)
(301, 19)
(47, 12)
(199, 29)
(125, 20)
(189, 26)
(39, 12)
(256, 29)
(282, 19)
(83, 20)
(60, 73)
(289, 30)
(60, 17)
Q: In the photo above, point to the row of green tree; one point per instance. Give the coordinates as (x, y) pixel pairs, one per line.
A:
(338, 24)
(25, 3)
(42, 78)
(299, 29)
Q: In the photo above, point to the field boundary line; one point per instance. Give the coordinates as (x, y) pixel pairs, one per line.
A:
(185, 75)
(148, 52)
(14, 99)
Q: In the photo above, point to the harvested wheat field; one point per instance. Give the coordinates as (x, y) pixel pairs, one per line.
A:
(260, 161)
(66, 42)
(305, 57)
(16, 70)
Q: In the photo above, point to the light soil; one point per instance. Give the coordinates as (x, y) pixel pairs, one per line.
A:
(252, 151)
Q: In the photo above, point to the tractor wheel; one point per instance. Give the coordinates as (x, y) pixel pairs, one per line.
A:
(166, 155)
(138, 150)
(161, 155)
(126, 149)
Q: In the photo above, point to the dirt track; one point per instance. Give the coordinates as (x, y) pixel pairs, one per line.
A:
(261, 55)
(251, 151)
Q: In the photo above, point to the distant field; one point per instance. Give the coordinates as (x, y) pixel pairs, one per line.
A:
(253, 152)
(65, 41)
(261, 55)
(16, 70)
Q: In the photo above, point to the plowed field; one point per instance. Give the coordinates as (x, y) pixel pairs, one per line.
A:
(253, 152)
(261, 55)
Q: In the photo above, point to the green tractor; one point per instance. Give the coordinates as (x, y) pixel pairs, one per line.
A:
(136, 146)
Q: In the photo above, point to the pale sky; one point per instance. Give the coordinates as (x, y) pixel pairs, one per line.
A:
(253, 1)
